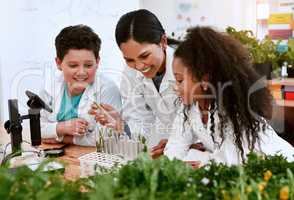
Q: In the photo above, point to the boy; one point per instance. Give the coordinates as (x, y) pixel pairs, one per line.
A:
(77, 49)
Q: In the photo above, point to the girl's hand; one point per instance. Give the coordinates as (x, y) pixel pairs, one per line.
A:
(199, 146)
(107, 116)
(75, 126)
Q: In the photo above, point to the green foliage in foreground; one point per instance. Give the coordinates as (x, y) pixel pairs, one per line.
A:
(144, 178)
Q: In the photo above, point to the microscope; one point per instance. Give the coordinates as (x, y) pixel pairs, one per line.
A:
(13, 125)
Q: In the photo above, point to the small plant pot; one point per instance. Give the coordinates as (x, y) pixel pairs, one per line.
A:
(264, 69)
(290, 72)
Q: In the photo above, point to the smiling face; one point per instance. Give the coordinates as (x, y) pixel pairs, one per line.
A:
(145, 57)
(187, 87)
(79, 68)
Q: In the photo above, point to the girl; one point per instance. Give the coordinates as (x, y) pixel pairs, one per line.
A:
(77, 49)
(222, 104)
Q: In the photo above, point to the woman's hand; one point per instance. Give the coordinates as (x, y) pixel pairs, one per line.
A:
(75, 126)
(157, 150)
(107, 116)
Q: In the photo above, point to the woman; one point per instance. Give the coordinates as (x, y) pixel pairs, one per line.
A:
(223, 106)
(147, 82)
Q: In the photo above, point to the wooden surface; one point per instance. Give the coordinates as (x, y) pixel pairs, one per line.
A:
(72, 153)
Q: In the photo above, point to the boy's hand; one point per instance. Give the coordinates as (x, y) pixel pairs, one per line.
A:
(68, 139)
(107, 116)
(50, 141)
(75, 126)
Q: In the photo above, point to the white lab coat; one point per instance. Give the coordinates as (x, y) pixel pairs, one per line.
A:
(106, 92)
(193, 131)
(145, 110)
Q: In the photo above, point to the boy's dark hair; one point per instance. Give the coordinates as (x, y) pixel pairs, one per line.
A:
(142, 26)
(77, 37)
(225, 60)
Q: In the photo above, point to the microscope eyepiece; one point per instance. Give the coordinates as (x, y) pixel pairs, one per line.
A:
(36, 102)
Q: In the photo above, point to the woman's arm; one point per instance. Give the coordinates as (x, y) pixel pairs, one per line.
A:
(135, 112)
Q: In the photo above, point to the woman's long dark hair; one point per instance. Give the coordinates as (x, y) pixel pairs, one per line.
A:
(224, 59)
(142, 26)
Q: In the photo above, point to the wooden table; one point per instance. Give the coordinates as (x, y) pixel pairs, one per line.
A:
(72, 153)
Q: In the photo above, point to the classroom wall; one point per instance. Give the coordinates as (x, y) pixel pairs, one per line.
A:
(240, 14)
(28, 29)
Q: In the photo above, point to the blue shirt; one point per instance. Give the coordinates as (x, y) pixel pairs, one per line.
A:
(69, 106)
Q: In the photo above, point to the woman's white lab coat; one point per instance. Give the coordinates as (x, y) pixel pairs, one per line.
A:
(145, 110)
(194, 131)
(102, 90)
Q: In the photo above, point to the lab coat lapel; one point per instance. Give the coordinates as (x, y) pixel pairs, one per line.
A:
(168, 79)
(161, 102)
(86, 100)
(56, 93)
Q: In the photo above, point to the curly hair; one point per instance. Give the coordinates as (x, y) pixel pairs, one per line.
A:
(224, 59)
(77, 37)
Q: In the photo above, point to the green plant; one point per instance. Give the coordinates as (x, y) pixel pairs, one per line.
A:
(288, 56)
(264, 51)
(259, 178)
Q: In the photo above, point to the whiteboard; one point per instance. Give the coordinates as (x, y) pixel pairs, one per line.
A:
(28, 30)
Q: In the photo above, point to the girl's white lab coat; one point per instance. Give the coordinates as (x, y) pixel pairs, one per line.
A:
(147, 111)
(193, 131)
(102, 90)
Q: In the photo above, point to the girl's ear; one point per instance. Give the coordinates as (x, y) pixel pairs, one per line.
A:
(205, 77)
(58, 63)
(163, 42)
(205, 82)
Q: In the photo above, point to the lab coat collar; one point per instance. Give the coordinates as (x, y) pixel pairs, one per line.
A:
(168, 78)
(57, 92)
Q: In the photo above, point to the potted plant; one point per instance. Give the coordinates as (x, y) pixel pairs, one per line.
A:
(288, 56)
(263, 53)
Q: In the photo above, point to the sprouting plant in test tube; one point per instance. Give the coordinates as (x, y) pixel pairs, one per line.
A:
(100, 141)
(142, 140)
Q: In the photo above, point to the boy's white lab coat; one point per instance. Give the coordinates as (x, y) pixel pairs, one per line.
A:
(147, 111)
(102, 90)
(194, 131)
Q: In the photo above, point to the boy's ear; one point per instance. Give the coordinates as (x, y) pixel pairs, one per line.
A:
(98, 60)
(58, 63)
